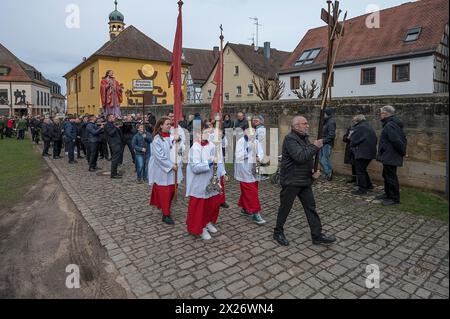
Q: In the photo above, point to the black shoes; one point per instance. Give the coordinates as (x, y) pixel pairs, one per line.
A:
(73, 162)
(381, 196)
(116, 177)
(92, 170)
(225, 205)
(80, 157)
(390, 202)
(359, 192)
(329, 177)
(168, 220)
(324, 240)
(280, 239)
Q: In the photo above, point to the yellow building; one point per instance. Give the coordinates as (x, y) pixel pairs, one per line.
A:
(241, 64)
(132, 56)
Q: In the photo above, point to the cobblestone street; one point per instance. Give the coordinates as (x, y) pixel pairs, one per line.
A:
(243, 261)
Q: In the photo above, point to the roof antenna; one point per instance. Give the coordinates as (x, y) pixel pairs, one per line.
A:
(256, 19)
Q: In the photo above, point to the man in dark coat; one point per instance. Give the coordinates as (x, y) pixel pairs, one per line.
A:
(114, 138)
(128, 131)
(70, 136)
(348, 157)
(93, 135)
(84, 136)
(328, 135)
(363, 143)
(296, 178)
(241, 121)
(47, 134)
(391, 151)
(57, 138)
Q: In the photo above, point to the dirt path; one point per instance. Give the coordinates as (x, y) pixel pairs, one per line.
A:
(43, 234)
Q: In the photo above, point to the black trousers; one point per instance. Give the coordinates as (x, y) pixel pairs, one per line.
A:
(88, 151)
(79, 147)
(103, 149)
(306, 197)
(391, 184)
(116, 154)
(57, 145)
(46, 147)
(127, 142)
(71, 150)
(2, 132)
(21, 135)
(93, 156)
(362, 177)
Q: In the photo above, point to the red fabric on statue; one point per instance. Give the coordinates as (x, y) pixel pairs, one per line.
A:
(162, 197)
(197, 215)
(249, 199)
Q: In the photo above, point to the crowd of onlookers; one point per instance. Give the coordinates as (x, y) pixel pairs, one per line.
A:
(94, 138)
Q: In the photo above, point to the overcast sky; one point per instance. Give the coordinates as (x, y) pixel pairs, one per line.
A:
(36, 31)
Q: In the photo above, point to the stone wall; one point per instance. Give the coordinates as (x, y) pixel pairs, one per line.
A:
(425, 118)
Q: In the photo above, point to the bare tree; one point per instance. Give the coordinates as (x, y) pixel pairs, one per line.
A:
(267, 89)
(307, 91)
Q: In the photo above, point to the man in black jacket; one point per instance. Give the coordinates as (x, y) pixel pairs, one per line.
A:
(79, 145)
(391, 150)
(84, 137)
(47, 134)
(296, 177)
(128, 131)
(363, 144)
(93, 135)
(328, 135)
(57, 138)
(114, 138)
(70, 136)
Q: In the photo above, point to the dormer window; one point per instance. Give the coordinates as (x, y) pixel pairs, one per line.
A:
(4, 70)
(413, 34)
(308, 57)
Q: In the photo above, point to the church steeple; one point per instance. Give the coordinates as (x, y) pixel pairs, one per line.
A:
(116, 22)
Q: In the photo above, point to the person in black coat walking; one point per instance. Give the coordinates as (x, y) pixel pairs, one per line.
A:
(70, 136)
(391, 151)
(363, 144)
(348, 156)
(128, 132)
(84, 136)
(296, 177)
(57, 138)
(114, 138)
(47, 134)
(93, 136)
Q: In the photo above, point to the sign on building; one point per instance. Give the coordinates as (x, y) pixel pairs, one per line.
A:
(143, 85)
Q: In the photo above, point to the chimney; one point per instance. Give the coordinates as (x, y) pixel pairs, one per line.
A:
(267, 50)
(216, 51)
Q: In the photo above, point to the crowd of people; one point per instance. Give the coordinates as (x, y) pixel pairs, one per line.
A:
(158, 147)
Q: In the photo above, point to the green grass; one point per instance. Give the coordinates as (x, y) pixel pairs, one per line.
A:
(20, 167)
(423, 203)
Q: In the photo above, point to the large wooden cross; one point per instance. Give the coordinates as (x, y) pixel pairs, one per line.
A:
(335, 33)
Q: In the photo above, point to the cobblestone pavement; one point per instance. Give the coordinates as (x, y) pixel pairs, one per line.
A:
(242, 260)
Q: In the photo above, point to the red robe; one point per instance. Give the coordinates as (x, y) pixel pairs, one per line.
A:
(249, 199)
(161, 198)
(106, 93)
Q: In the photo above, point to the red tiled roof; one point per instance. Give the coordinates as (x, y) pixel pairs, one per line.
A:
(20, 71)
(361, 43)
(133, 44)
(203, 62)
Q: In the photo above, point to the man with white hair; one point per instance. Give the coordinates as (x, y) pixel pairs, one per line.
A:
(296, 177)
(391, 150)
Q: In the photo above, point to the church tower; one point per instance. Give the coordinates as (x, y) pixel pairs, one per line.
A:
(116, 22)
